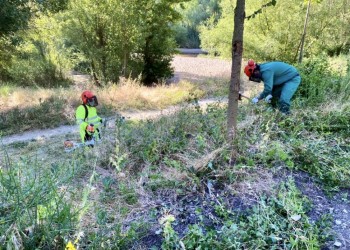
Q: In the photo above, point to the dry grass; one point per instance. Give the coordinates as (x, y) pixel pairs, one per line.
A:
(252, 183)
(129, 94)
(28, 97)
(195, 76)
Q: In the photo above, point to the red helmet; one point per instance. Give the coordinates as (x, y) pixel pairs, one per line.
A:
(89, 98)
(248, 70)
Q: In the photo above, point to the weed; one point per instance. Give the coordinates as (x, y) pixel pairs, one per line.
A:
(310, 141)
(127, 194)
(34, 200)
(324, 228)
(114, 237)
(275, 223)
(169, 135)
(170, 236)
(108, 193)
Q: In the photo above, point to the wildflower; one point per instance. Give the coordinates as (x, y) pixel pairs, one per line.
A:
(70, 246)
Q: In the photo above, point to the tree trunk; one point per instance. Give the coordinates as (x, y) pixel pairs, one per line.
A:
(147, 74)
(237, 50)
(304, 33)
(94, 75)
(125, 63)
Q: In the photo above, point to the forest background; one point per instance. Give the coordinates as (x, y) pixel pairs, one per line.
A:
(42, 40)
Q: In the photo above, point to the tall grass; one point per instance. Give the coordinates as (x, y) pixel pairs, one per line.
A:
(27, 108)
(37, 208)
(130, 94)
(345, 85)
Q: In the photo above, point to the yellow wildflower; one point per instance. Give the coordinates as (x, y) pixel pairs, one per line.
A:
(70, 246)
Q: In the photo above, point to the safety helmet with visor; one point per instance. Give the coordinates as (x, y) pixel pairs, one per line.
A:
(252, 70)
(89, 98)
(249, 68)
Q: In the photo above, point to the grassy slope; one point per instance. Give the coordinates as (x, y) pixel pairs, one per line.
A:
(168, 184)
(142, 189)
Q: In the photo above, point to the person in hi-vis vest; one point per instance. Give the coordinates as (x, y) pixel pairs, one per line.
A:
(87, 118)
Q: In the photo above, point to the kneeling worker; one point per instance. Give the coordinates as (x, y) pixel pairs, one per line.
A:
(281, 80)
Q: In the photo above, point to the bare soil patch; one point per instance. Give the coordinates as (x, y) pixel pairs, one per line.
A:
(199, 69)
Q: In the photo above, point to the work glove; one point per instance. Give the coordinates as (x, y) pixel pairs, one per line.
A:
(268, 98)
(255, 100)
(90, 129)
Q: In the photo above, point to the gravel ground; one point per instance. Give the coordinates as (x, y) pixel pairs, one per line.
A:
(199, 68)
(204, 69)
(186, 67)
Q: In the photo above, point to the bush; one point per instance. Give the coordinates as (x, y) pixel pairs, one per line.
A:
(319, 83)
(33, 72)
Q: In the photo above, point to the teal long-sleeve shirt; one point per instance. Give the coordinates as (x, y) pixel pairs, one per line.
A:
(275, 73)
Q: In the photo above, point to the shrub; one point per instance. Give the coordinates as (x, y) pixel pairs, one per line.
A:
(319, 83)
(35, 72)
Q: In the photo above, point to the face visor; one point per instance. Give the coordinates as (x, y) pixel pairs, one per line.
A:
(256, 76)
(92, 101)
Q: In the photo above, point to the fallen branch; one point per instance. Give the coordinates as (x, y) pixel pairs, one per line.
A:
(202, 164)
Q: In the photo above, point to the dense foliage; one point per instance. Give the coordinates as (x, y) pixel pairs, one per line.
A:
(275, 32)
(14, 15)
(194, 13)
(107, 39)
(43, 40)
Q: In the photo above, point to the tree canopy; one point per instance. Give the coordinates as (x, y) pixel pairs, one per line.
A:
(107, 38)
(14, 15)
(275, 32)
(134, 38)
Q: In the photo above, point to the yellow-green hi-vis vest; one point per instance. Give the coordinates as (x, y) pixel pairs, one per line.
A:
(92, 118)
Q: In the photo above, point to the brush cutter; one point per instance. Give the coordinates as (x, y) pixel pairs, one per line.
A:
(70, 146)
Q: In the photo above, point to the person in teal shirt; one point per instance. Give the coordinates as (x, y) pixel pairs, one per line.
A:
(281, 81)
